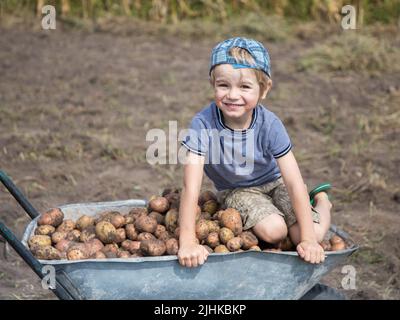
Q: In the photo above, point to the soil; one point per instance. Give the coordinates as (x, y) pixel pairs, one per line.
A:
(76, 104)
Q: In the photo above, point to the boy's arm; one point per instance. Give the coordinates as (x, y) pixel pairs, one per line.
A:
(308, 248)
(190, 253)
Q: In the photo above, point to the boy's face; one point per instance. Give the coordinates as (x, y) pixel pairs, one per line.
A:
(237, 91)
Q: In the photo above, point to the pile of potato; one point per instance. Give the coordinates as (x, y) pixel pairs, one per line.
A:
(151, 231)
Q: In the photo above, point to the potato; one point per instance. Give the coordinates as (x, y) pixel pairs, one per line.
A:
(158, 216)
(93, 246)
(111, 255)
(98, 255)
(140, 211)
(45, 230)
(66, 226)
(111, 247)
(53, 217)
(118, 220)
(153, 247)
(123, 254)
(206, 196)
(173, 199)
(213, 239)
(159, 204)
(164, 236)
(218, 215)
(73, 235)
(221, 249)
(286, 244)
(205, 216)
(130, 219)
(47, 253)
(58, 236)
(131, 232)
(172, 246)
(64, 244)
(211, 206)
(131, 246)
(231, 219)
(213, 226)
(137, 254)
(106, 216)
(145, 236)
(208, 248)
(106, 232)
(326, 245)
(77, 252)
(201, 229)
(225, 235)
(146, 224)
(256, 248)
(120, 235)
(171, 220)
(337, 243)
(249, 240)
(88, 234)
(84, 222)
(234, 244)
(159, 230)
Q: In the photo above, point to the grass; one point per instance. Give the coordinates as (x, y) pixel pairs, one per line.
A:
(351, 51)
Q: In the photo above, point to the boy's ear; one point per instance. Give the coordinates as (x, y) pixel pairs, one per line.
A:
(267, 88)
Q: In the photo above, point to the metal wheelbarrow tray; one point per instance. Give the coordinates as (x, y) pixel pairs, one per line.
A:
(225, 276)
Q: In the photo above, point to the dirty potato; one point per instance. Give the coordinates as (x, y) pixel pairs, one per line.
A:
(249, 240)
(145, 236)
(47, 253)
(117, 220)
(225, 235)
(221, 249)
(172, 246)
(211, 207)
(171, 220)
(337, 243)
(234, 244)
(231, 219)
(88, 234)
(53, 217)
(58, 236)
(212, 240)
(131, 232)
(158, 216)
(66, 226)
(159, 204)
(146, 224)
(206, 196)
(84, 222)
(201, 229)
(93, 246)
(131, 246)
(77, 252)
(45, 230)
(159, 230)
(106, 232)
(39, 241)
(120, 235)
(153, 247)
(73, 235)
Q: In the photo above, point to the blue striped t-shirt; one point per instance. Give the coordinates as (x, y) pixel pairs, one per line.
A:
(238, 158)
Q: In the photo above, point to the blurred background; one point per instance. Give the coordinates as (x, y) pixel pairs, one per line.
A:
(76, 103)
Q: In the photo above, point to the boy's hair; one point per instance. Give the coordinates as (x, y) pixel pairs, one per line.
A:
(242, 55)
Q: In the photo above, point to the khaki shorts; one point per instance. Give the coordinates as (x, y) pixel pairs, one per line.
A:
(256, 203)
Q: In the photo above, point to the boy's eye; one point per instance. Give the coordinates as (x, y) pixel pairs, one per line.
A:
(222, 85)
(245, 86)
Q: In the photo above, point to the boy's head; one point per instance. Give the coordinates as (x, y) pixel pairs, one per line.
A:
(243, 53)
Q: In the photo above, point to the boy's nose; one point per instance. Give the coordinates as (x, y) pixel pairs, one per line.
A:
(233, 94)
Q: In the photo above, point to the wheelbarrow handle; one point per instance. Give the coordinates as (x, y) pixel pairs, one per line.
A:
(18, 195)
(35, 265)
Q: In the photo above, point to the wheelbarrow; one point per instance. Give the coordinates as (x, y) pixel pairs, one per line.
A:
(247, 275)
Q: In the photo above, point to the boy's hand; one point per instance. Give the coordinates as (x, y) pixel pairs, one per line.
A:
(311, 251)
(192, 255)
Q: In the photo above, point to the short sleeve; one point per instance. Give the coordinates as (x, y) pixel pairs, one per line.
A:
(197, 139)
(279, 142)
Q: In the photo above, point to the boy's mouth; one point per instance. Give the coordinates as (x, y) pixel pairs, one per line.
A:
(232, 105)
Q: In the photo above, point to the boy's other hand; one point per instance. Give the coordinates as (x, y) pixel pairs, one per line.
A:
(192, 255)
(311, 251)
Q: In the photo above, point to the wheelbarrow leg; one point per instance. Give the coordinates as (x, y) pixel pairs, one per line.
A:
(35, 265)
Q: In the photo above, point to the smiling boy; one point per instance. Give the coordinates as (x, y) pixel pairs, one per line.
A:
(271, 197)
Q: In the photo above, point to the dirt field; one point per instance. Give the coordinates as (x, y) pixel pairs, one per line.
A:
(76, 104)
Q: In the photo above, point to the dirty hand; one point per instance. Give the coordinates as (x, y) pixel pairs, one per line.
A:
(192, 255)
(311, 251)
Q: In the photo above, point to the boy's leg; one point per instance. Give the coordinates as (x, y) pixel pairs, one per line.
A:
(323, 207)
(258, 213)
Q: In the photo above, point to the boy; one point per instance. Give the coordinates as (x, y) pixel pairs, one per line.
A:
(268, 191)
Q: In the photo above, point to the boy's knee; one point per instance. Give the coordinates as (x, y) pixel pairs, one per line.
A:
(271, 230)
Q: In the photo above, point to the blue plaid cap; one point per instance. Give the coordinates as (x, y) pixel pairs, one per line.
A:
(220, 54)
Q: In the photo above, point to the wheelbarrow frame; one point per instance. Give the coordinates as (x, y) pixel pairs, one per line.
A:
(65, 287)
